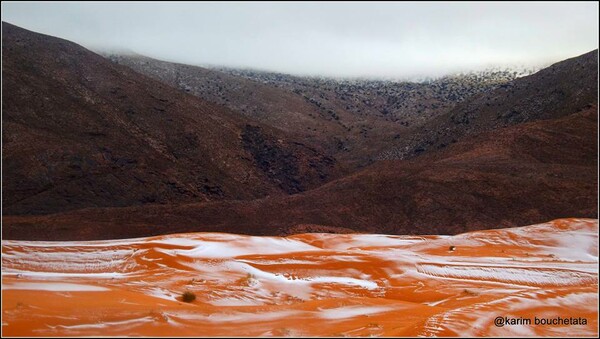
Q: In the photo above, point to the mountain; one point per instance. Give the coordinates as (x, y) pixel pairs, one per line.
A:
(404, 102)
(517, 175)
(80, 131)
(269, 104)
(353, 119)
(338, 131)
(553, 92)
(94, 150)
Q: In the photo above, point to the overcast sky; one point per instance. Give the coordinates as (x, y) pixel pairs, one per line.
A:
(334, 39)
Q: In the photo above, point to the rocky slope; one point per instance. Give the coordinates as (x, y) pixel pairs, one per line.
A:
(80, 131)
(94, 150)
(352, 118)
(403, 102)
(517, 175)
(553, 92)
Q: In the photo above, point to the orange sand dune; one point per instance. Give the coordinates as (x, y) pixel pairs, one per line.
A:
(307, 285)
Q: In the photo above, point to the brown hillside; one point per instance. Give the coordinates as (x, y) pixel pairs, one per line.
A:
(553, 92)
(353, 119)
(80, 131)
(513, 176)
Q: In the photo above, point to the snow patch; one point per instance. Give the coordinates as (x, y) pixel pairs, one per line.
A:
(53, 286)
(352, 311)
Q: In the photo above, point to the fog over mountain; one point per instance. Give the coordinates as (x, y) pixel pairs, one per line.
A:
(299, 169)
(349, 40)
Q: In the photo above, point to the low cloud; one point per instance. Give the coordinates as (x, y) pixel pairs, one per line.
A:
(331, 39)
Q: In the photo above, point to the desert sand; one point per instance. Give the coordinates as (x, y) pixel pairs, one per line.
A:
(306, 285)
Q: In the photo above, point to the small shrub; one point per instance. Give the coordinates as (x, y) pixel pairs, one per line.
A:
(248, 280)
(188, 296)
(282, 332)
(469, 292)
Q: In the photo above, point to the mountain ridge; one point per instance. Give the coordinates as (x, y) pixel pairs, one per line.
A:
(562, 88)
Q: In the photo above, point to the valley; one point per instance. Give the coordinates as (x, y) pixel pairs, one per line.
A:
(108, 152)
